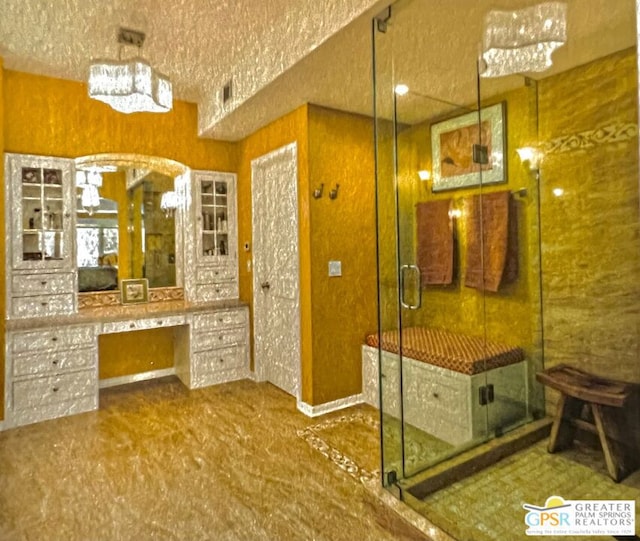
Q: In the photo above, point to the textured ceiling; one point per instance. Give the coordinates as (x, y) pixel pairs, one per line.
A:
(282, 53)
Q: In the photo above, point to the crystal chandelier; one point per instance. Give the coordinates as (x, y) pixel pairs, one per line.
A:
(130, 86)
(89, 182)
(522, 41)
(169, 203)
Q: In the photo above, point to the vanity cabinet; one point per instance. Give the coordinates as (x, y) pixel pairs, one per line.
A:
(219, 347)
(216, 238)
(40, 224)
(51, 372)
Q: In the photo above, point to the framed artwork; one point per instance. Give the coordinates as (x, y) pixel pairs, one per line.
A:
(134, 291)
(464, 147)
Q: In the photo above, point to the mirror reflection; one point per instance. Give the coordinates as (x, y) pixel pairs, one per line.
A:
(124, 228)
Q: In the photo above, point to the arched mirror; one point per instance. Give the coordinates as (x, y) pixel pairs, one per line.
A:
(127, 215)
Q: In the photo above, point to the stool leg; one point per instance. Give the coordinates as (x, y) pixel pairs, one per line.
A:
(609, 452)
(562, 430)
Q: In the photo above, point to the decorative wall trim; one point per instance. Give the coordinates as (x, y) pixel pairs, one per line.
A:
(612, 133)
(112, 298)
(327, 407)
(143, 376)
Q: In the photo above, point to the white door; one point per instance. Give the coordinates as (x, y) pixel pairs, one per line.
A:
(276, 292)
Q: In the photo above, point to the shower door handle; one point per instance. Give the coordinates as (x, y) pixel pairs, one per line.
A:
(416, 269)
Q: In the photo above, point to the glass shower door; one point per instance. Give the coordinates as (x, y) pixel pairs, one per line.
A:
(426, 166)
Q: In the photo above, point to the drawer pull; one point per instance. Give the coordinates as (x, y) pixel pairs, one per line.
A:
(44, 303)
(43, 283)
(54, 339)
(54, 362)
(56, 389)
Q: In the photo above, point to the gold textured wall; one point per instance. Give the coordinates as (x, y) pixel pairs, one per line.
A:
(114, 187)
(343, 229)
(287, 129)
(55, 117)
(590, 234)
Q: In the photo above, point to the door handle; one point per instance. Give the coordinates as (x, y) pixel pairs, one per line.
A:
(265, 286)
(416, 269)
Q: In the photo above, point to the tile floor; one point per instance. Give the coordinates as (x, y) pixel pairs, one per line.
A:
(158, 461)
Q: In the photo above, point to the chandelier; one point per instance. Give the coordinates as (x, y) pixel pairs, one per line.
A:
(522, 41)
(132, 85)
(89, 182)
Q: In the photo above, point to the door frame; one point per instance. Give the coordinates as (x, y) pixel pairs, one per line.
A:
(289, 151)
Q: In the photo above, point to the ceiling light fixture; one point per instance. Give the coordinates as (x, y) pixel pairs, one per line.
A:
(522, 41)
(132, 85)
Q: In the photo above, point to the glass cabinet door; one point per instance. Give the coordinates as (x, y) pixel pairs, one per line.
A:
(216, 216)
(40, 216)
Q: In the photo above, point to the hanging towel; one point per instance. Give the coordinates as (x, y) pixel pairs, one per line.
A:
(492, 241)
(435, 242)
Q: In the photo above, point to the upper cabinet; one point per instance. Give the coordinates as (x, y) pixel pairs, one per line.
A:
(41, 204)
(216, 239)
(40, 221)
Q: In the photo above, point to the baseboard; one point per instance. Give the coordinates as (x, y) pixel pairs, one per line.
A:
(143, 376)
(327, 407)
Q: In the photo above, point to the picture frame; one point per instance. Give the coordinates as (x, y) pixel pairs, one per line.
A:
(462, 148)
(134, 291)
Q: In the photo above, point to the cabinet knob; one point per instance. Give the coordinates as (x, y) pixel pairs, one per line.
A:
(221, 361)
(44, 303)
(67, 215)
(220, 320)
(436, 395)
(55, 361)
(220, 337)
(54, 339)
(217, 291)
(56, 389)
(159, 322)
(43, 283)
(132, 325)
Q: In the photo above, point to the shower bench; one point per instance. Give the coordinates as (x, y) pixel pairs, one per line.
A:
(455, 387)
(605, 398)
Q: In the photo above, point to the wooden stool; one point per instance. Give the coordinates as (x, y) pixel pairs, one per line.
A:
(579, 391)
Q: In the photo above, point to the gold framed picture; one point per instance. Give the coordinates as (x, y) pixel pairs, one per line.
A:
(134, 291)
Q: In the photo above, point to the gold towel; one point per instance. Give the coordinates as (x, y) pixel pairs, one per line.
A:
(492, 241)
(434, 242)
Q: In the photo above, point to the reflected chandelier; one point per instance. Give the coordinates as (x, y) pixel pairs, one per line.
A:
(522, 41)
(130, 86)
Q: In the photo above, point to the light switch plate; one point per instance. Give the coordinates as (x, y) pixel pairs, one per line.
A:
(335, 268)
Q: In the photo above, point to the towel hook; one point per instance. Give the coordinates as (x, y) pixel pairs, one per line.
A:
(333, 194)
(317, 193)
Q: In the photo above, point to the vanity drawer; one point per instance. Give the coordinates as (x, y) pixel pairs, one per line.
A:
(43, 305)
(53, 339)
(142, 324)
(219, 359)
(214, 292)
(212, 340)
(42, 284)
(62, 361)
(214, 275)
(220, 319)
(35, 392)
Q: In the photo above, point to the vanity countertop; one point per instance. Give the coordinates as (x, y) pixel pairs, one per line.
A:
(110, 313)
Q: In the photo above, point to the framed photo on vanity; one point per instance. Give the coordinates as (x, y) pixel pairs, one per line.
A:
(463, 146)
(134, 291)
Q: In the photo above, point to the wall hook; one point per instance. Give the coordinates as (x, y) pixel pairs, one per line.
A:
(317, 193)
(333, 194)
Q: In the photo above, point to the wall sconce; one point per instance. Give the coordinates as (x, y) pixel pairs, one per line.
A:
(531, 155)
(424, 175)
(317, 193)
(454, 213)
(333, 194)
(89, 181)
